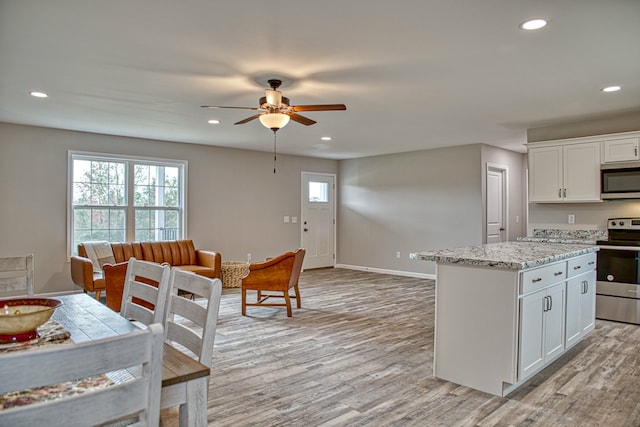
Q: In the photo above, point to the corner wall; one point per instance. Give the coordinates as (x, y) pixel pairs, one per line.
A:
(408, 202)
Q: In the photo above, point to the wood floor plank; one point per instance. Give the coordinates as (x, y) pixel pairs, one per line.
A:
(360, 353)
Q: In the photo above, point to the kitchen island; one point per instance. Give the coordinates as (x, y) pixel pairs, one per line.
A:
(505, 311)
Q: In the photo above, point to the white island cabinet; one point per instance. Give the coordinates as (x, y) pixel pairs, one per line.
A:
(505, 311)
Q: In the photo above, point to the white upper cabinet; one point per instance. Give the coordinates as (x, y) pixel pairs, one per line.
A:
(621, 150)
(565, 173)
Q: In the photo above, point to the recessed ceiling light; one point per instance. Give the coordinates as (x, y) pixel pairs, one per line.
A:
(213, 121)
(611, 89)
(533, 24)
(38, 94)
(326, 138)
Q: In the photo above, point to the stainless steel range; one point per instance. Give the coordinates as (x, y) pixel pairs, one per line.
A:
(618, 285)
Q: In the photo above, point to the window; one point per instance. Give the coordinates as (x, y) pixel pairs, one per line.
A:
(122, 199)
(318, 192)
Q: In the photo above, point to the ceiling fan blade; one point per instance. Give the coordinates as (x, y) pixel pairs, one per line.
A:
(321, 107)
(248, 119)
(238, 108)
(302, 119)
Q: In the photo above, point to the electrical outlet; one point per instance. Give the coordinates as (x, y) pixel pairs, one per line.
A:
(286, 219)
(398, 255)
(572, 219)
(248, 257)
(294, 219)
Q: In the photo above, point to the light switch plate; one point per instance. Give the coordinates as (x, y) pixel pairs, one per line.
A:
(286, 218)
(294, 219)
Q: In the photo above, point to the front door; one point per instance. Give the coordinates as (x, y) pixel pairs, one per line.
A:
(318, 219)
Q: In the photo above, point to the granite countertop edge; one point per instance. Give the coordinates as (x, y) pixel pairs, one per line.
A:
(556, 240)
(508, 255)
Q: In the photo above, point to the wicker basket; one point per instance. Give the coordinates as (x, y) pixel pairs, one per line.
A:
(233, 272)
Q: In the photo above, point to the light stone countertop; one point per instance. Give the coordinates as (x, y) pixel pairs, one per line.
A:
(507, 255)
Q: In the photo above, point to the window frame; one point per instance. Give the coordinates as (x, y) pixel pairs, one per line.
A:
(129, 207)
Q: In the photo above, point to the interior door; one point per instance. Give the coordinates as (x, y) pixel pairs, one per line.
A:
(496, 204)
(318, 219)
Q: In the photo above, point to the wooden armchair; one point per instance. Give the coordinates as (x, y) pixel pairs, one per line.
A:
(277, 274)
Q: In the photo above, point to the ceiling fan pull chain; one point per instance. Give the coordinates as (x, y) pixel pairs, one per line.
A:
(274, 151)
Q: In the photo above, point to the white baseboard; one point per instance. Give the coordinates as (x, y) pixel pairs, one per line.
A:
(385, 271)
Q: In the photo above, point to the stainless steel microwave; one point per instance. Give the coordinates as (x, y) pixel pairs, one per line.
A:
(620, 181)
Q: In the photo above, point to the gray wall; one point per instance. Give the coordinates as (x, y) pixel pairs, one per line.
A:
(235, 202)
(386, 204)
(589, 216)
(409, 202)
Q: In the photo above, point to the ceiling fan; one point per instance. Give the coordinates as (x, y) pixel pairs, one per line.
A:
(276, 110)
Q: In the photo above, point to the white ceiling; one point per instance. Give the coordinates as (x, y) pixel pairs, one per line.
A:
(414, 74)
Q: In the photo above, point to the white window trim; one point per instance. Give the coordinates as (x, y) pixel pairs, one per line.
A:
(104, 156)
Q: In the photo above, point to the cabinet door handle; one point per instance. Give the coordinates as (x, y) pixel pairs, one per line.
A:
(585, 287)
(557, 273)
(559, 193)
(550, 303)
(564, 193)
(591, 262)
(635, 151)
(536, 280)
(577, 267)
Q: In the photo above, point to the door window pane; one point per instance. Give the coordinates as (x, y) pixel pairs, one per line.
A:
(318, 192)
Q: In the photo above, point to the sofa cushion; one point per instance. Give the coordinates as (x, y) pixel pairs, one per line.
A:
(174, 252)
(123, 251)
(198, 269)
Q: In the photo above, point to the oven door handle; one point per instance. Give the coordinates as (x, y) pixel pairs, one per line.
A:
(620, 248)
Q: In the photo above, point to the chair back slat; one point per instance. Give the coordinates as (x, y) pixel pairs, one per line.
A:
(16, 276)
(139, 352)
(145, 293)
(200, 320)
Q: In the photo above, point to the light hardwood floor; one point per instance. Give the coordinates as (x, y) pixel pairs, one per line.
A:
(360, 352)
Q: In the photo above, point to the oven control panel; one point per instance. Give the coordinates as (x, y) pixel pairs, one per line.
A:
(624, 224)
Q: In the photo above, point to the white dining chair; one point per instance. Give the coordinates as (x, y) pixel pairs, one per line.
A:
(146, 289)
(139, 351)
(16, 276)
(191, 327)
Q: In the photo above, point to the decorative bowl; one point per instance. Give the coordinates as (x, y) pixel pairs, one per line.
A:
(20, 317)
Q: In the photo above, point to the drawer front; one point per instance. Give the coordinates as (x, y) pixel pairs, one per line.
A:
(581, 264)
(542, 277)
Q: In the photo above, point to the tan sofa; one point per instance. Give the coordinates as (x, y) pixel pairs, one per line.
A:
(178, 253)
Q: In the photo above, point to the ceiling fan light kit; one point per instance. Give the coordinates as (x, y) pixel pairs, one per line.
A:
(274, 106)
(276, 111)
(274, 121)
